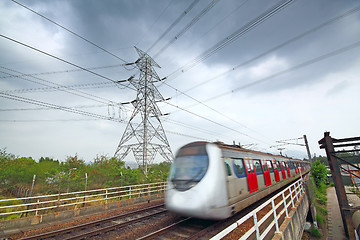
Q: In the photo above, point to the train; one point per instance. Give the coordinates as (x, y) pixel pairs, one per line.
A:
(215, 181)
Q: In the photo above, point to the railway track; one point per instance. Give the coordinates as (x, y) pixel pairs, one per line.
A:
(188, 228)
(102, 226)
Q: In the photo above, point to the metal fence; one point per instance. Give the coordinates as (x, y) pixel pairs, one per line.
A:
(295, 190)
(57, 202)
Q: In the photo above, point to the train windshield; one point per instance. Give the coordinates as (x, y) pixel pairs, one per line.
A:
(188, 170)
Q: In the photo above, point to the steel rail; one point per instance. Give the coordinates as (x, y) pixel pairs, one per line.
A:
(153, 234)
(86, 225)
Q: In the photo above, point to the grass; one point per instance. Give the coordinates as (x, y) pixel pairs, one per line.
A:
(315, 232)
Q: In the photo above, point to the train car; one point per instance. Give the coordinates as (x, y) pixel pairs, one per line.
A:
(215, 180)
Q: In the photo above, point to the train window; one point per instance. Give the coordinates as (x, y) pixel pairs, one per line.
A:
(291, 166)
(269, 166)
(278, 165)
(264, 165)
(248, 168)
(251, 166)
(258, 168)
(227, 166)
(274, 165)
(239, 168)
(187, 171)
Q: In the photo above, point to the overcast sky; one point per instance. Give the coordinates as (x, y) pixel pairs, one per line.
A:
(229, 76)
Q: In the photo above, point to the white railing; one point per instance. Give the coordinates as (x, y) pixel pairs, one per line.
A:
(76, 199)
(295, 191)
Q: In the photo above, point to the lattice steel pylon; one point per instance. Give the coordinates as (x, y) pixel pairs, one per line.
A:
(146, 138)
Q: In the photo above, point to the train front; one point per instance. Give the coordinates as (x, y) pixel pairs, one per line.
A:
(196, 185)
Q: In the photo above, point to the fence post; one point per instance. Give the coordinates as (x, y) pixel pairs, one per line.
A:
(86, 178)
(292, 199)
(37, 206)
(275, 216)
(296, 193)
(32, 185)
(256, 226)
(285, 206)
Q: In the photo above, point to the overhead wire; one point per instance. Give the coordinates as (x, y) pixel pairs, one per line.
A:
(214, 122)
(188, 26)
(186, 135)
(59, 87)
(152, 25)
(207, 106)
(53, 88)
(301, 65)
(42, 108)
(223, 19)
(337, 18)
(206, 131)
(68, 70)
(67, 62)
(57, 107)
(68, 30)
(281, 45)
(177, 20)
(48, 120)
(231, 38)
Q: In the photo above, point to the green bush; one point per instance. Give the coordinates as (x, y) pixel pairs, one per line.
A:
(319, 173)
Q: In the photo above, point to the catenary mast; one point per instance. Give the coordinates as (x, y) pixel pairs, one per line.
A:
(144, 134)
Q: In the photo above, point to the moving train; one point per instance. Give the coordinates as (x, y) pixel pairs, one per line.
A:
(215, 180)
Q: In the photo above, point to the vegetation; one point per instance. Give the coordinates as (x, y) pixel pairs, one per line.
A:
(319, 183)
(319, 173)
(53, 176)
(315, 232)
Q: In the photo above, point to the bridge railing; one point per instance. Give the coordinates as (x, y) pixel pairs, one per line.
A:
(279, 203)
(57, 202)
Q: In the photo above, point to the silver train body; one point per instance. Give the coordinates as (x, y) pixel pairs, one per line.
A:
(215, 181)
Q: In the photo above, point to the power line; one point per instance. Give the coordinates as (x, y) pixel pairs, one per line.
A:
(312, 61)
(171, 121)
(58, 107)
(68, 30)
(223, 19)
(67, 62)
(301, 65)
(212, 109)
(212, 121)
(330, 21)
(188, 26)
(232, 37)
(163, 11)
(50, 120)
(177, 20)
(283, 44)
(53, 88)
(186, 135)
(37, 109)
(70, 70)
(60, 88)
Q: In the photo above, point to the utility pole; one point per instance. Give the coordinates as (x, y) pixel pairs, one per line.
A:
(148, 137)
(307, 149)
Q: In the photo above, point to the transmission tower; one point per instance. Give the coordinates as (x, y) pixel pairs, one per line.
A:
(144, 134)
